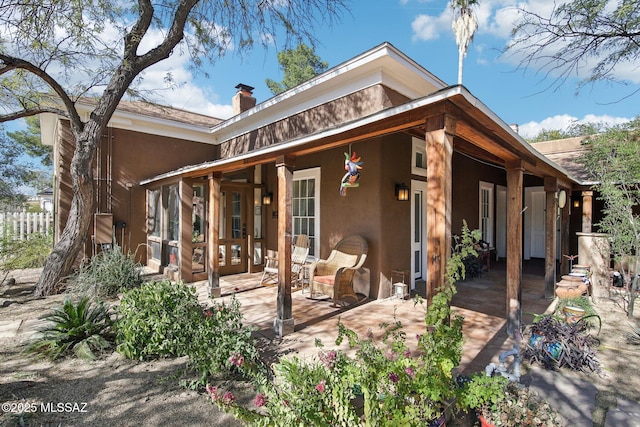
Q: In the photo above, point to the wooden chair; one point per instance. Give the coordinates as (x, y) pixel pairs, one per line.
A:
(298, 259)
(270, 272)
(333, 277)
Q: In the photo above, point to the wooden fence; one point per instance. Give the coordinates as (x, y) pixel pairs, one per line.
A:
(21, 225)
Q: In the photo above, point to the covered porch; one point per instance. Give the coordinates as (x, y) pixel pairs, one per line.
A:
(479, 301)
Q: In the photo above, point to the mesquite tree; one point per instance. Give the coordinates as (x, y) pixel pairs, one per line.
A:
(52, 52)
(598, 40)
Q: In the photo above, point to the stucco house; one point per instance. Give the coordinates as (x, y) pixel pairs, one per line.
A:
(208, 197)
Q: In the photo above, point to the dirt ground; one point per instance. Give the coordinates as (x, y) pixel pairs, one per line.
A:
(114, 391)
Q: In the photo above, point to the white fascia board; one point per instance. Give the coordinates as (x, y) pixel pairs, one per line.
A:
(384, 64)
(154, 125)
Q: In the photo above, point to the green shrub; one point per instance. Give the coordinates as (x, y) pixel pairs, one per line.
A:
(83, 329)
(164, 319)
(30, 253)
(107, 273)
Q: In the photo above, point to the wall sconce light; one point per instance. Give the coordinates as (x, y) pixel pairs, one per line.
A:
(402, 192)
(576, 203)
(266, 198)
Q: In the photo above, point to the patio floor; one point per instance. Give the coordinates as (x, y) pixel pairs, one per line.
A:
(482, 303)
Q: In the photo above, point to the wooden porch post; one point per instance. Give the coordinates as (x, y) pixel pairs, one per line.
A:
(587, 211)
(514, 246)
(564, 241)
(551, 191)
(439, 141)
(213, 236)
(284, 323)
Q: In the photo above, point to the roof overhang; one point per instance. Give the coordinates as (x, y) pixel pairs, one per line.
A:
(135, 122)
(480, 127)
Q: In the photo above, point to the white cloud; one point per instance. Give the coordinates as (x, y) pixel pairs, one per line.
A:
(564, 121)
(426, 27)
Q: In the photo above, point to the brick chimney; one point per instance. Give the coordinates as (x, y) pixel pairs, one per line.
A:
(243, 99)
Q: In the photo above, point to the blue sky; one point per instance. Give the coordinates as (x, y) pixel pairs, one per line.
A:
(422, 30)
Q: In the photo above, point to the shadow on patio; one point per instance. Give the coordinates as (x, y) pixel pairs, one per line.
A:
(482, 303)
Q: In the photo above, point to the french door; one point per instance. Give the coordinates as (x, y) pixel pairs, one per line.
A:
(233, 230)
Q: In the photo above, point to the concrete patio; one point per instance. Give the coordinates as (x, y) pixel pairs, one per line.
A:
(480, 301)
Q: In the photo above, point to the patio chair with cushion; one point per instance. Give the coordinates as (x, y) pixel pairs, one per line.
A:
(333, 277)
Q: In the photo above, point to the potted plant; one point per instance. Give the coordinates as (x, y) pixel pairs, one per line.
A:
(519, 406)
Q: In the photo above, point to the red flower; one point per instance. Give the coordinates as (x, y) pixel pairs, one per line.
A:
(320, 386)
(394, 377)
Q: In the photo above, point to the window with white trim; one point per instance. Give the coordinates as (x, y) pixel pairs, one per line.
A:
(418, 157)
(486, 211)
(306, 206)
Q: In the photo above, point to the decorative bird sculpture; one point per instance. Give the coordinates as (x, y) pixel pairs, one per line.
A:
(350, 179)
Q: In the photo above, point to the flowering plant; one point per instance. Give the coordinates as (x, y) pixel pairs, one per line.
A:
(388, 380)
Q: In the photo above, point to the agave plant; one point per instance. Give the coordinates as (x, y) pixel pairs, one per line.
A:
(82, 329)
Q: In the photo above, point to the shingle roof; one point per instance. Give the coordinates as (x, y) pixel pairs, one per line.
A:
(167, 113)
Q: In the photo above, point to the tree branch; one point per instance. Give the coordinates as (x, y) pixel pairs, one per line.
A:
(32, 112)
(12, 63)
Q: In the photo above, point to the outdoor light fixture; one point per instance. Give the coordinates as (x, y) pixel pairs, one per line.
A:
(266, 198)
(576, 203)
(402, 192)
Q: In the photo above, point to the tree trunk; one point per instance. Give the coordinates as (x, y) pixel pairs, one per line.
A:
(59, 264)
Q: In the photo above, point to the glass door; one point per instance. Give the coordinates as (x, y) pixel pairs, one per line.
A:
(233, 231)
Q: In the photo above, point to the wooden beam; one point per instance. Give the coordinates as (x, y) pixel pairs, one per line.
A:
(514, 247)
(565, 234)
(213, 235)
(439, 144)
(551, 191)
(284, 323)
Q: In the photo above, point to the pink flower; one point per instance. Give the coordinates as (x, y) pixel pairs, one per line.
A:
(320, 386)
(410, 371)
(208, 313)
(393, 377)
(213, 392)
(228, 398)
(418, 336)
(236, 359)
(260, 400)
(392, 355)
(328, 358)
(407, 353)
